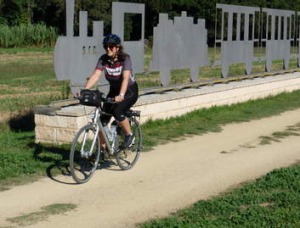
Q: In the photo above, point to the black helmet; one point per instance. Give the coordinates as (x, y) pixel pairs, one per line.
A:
(111, 39)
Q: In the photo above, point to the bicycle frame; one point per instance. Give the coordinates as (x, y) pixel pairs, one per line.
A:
(85, 152)
(99, 127)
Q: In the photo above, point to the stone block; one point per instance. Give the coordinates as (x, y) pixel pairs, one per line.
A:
(57, 121)
(45, 134)
(65, 135)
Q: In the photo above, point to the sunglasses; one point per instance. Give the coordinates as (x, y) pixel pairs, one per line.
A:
(109, 46)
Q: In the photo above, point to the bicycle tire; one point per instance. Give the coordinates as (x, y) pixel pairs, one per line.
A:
(127, 158)
(84, 157)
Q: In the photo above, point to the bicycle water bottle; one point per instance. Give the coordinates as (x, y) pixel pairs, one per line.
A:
(111, 132)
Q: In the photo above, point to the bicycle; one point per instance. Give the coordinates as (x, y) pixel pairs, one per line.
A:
(86, 153)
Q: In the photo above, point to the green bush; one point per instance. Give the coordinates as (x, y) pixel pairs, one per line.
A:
(38, 35)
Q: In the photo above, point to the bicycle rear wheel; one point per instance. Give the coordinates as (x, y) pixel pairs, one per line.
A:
(126, 158)
(84, 154)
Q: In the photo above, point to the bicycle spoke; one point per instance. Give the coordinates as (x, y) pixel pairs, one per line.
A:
(126, 158)
(84, 156)
(85, 151)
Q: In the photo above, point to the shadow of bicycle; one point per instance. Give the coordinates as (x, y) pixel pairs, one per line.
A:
(57, 156)
(60, 171)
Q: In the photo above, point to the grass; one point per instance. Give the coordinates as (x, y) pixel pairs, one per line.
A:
(205, 120)
(21, 157)
(29, 71)
(271, 201)
(212, 72)
(28, 50)
(44, 213)
(27, 36)
(26, 81)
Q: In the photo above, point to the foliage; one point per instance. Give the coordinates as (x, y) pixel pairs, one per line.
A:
(97, 11)
(52, 12)
(27, 35)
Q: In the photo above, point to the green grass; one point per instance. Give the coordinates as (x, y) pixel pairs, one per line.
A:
(31, 35)
(20, 156)
(205, 120)
(26, 81)
(27, 77)
(13, 51)
(44, 213)
(271, 201)
(212, 72)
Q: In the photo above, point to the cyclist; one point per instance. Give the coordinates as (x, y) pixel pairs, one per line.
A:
(117, 68)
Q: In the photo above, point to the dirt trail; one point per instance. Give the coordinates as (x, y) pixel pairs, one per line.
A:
(170, 177)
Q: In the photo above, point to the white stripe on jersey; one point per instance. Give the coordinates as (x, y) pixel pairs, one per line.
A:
(114, 71)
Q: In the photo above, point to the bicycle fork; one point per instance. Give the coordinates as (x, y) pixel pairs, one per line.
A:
(88, 153)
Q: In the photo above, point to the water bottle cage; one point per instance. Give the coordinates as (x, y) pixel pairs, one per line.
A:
(111, 132)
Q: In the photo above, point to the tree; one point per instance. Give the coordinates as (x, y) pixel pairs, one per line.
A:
(10, 12)
(26, 9)
(50, 12)
(97, 10)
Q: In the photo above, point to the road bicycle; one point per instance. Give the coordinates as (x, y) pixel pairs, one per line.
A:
(86, 154)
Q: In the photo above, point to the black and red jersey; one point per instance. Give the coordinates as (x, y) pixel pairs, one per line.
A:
(113, 70)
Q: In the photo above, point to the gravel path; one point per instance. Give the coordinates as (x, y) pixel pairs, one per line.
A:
(168, 178)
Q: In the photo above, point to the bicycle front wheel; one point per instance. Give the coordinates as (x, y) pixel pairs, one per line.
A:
(84, 154)
(126, 158)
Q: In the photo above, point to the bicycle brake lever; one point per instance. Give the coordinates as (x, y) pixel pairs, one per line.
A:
(110, 100)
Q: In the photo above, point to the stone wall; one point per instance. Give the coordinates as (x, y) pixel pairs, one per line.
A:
(60, 125)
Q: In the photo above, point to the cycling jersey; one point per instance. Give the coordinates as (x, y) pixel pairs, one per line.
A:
(114, 70)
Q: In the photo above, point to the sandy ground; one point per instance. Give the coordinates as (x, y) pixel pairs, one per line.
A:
(170, 177)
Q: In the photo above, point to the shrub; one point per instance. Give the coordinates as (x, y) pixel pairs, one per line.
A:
(29, 35)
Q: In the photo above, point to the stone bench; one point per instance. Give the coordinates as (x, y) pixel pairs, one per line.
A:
(58, 124)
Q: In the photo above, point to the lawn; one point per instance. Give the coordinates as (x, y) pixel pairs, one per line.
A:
(27, 79)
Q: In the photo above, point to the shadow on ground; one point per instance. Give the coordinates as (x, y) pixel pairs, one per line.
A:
(22, 122)
(58, 159)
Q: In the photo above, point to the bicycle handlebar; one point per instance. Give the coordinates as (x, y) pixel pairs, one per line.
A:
(95, 95)
(109, 100)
